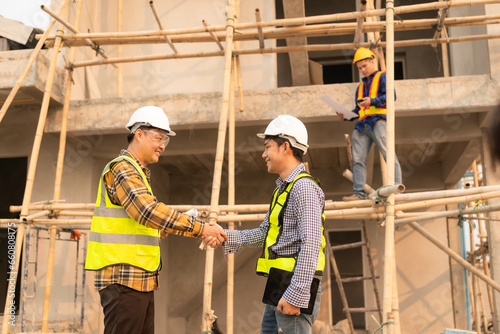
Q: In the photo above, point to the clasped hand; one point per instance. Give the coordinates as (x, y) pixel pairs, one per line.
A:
(213, 235)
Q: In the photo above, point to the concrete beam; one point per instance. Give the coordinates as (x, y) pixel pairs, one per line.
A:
(299, 61)
(31, 91)
(421, 133)
(435, 96)
(458, 160)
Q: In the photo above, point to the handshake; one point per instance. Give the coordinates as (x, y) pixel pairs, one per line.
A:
(213, 235)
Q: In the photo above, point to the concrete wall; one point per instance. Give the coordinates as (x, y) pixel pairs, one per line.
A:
(169, 76)
(468, 58)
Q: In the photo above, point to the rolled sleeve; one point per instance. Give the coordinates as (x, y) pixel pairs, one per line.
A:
(308, 202)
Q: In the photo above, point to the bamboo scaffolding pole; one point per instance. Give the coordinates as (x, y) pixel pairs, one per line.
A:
(315, 47)
(119, 50)
(75, 213)
(444, 46)
(427, 195)
(330, 29)
(483, 238)
(347, 46)
(444, 54)
(71, 28)
(359, 24)
(389, 249)
(258, 19)
(348, 175)
(58, 180)
(375, 39)
(231, 196)
(458, 212)
(481, 301)
(247, 208)
(406, 217)
(34, 216)
(472, 299)
(208, 318)
(231, 215)
(487, 273)
(300, 21)
(31, 172)
(372, 271)
(27, 67)
(395, 300)
(216, 40)
(232, 177)
(240, 82)
(167, 39)
(50, 273)
(63, 222)
(386, 191)
(8, 220)
(330, 214)
(473, 282)
(440, 23)
(454, 255)
(282, 33)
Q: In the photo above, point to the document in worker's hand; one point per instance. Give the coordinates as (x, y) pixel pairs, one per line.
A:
(348, 114)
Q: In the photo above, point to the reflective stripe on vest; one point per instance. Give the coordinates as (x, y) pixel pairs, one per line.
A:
(372, 94)
(115, 238)
(277, 211)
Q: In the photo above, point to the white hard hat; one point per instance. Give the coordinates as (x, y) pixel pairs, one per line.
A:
(288, 127)
(149, 116)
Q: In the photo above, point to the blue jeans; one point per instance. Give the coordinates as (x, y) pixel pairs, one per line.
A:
(274, 322)
(361, 144)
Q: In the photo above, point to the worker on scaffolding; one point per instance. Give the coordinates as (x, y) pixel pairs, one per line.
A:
(128, 222)
(291, 235)
(371, 109)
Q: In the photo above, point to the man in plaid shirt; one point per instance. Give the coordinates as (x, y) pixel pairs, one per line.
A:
(127, 225)
(291, 234)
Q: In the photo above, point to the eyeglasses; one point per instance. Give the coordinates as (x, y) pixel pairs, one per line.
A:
(157, 138)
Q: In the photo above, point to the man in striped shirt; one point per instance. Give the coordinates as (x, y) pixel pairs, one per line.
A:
(127, 225)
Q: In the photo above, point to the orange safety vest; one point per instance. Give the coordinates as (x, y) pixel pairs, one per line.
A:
(372, 94)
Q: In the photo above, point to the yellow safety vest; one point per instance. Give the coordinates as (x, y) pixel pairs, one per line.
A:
(115, 238)
(372, 94)
(277, 209)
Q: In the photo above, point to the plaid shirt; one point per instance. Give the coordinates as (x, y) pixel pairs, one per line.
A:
(302, 224)
(126, 187)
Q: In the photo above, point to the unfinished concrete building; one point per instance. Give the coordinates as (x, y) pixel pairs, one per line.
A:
(442, 110)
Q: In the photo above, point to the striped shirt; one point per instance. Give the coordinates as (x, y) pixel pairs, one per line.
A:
(302, 225)
(126, 187)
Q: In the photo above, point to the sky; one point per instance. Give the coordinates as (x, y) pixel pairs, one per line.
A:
(26, 11)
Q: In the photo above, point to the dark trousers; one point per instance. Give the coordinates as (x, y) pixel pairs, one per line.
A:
(127, 311)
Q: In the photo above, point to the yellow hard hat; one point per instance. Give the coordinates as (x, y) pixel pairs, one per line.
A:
(362, 53)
